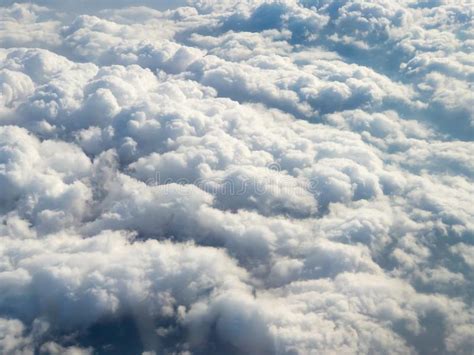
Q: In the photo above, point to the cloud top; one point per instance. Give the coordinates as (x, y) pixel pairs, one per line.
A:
(242, 177)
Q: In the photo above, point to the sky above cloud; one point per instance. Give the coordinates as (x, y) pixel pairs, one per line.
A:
(239, 177)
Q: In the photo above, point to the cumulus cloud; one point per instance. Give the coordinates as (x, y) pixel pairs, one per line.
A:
(242, 177)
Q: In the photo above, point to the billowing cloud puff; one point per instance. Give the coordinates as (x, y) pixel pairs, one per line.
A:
(241, 177)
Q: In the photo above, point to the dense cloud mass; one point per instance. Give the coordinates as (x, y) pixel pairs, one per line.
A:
(236, 177)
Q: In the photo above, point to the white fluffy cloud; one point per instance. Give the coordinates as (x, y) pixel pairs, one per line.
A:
(242, 177)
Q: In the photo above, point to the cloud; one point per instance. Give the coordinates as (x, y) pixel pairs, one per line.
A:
(252, 177)
(28, 25)
(12, 337)
(89, 5)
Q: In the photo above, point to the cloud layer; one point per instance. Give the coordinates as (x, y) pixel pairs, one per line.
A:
(242, 177)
